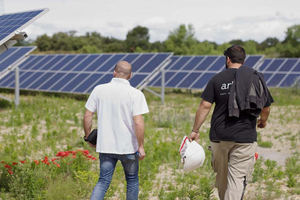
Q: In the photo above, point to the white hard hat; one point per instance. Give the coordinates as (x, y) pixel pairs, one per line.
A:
(192, 154)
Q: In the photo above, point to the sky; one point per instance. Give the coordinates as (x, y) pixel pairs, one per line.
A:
(214, 20)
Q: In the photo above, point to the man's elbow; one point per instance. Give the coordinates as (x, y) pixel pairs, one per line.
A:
(205, 105)
(88, 115)
(138, 121)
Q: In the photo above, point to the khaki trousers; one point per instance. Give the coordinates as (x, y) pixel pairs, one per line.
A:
(234, 163)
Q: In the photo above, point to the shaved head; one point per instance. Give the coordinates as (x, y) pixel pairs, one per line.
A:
(122, 70)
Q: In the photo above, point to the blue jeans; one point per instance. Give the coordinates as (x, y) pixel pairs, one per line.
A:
(130, 163)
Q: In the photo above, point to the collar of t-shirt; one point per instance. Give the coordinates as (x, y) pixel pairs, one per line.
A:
(120, 81)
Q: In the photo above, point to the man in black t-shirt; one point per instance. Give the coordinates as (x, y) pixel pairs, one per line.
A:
(233, 139)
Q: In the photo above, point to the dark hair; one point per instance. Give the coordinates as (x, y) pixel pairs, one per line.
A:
(236, 54)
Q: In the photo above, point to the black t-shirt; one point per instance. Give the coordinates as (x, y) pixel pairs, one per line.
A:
(223, 127)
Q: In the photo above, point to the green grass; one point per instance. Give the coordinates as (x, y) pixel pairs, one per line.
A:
(44, 124)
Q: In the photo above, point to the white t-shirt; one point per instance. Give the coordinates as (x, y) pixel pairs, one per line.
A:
(116, 103)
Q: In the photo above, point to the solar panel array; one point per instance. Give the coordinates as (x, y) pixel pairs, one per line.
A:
(280, 72)
(11, 57)
(194, 72)
(10, 23)
(80, 73)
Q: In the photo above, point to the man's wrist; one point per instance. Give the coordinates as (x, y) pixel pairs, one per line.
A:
(85, 138)
(195, 131)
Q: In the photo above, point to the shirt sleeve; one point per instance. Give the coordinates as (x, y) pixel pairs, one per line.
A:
(91, 103)
(208, 93)
(140, 104)
(270, 99)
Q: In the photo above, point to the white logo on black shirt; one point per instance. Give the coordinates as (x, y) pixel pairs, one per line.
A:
(225, 86)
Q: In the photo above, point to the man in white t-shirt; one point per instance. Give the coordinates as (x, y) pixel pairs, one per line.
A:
(119, 108)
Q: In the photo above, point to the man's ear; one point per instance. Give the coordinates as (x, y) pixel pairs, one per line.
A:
(228, 60)
(130, 76)
(114, 74)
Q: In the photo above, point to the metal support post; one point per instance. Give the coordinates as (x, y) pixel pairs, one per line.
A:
(162, 86)
(17, 87)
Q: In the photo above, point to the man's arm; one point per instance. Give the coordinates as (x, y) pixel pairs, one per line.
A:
(201, 114)
(87, 123)
(262, 121)
(139, 132)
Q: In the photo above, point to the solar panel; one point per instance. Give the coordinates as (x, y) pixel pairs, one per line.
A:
(80, 73)
(10, 23)
(194, 72)
(280, 72)
(11, 57)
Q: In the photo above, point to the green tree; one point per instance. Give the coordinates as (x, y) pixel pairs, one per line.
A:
(291, 45)
(250, 47)
(44, 43)
(269, 42)
(181, 41)
(138, 37)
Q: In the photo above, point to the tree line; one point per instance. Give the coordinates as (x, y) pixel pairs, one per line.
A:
(181, 41)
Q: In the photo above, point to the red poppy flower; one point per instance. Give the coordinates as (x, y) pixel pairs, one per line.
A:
(22, 161)
(14, 163)
(256, 156)
(7, 166)
(10, 172)
(36, 162)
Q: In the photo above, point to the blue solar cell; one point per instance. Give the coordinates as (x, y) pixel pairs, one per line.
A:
(88, 83)
(110, 64)
(130, 57)
(218, 65)
(290, 80)
(13, 56)
(180, 63)
(154, 63)
(63, 62)
(136, 79)
(267, 76)
(38, 64)
(74, 63)
(95, 65)
(62, 82)
(265, 64)
(172, 62)
(7, 53)
(157, 81)
(176, 79)
(138, 63)
(5, 81)
(106, 78)
(274, 66)
(43, 78)
(27, 60)
(203, 80)
(31, 78)
(53, 61)
(193, 63)
(30, 63)
(297, 68)
(275, 80)
(50, 82)
(88, 61)
(74, 82)
(288, 65)
(187, 82)
(252, 60)
(206, 63)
